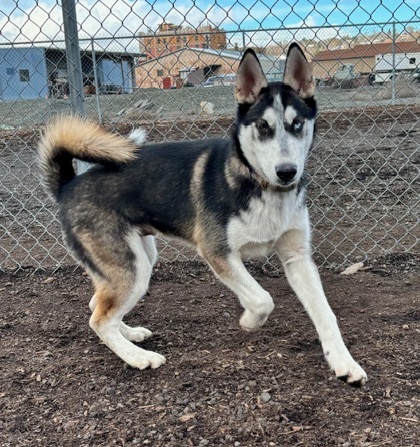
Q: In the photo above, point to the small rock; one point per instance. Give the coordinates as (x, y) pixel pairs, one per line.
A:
(265, 397)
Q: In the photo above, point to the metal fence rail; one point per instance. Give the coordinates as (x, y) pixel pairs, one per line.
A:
(171, 70)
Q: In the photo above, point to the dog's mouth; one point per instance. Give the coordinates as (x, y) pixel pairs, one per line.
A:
(277, 187)
(286, 188)
(280, 187)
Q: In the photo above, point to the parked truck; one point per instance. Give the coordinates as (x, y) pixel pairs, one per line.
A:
(344, 77)
(389, 65)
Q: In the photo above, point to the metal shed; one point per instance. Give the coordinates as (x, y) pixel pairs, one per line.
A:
(23, 73)
(37, 72)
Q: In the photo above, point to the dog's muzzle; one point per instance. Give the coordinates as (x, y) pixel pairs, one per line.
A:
(286, 172)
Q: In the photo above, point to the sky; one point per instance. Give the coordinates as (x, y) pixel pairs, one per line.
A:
(36, 21)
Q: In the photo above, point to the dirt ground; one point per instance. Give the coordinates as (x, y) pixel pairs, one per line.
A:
(221, 386)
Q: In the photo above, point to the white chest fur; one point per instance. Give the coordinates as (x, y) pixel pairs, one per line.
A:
(266, 219)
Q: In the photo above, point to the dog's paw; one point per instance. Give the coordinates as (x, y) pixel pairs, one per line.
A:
(251, 321)
(147, 359)
(136, 334)
(354, 376)
(347, 370)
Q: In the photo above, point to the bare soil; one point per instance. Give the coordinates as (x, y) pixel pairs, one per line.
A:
(221, 386)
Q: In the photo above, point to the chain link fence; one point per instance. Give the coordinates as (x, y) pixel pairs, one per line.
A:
(171, 69)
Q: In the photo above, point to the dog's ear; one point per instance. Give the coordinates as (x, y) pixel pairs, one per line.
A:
(250, 78)
(298, 73)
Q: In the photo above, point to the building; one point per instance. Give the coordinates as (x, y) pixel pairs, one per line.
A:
(169, 38)
(195, 65)
(23, 73)
(363, 57)
(37, 72)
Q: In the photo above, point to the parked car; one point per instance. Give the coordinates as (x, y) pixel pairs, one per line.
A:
(214, 81)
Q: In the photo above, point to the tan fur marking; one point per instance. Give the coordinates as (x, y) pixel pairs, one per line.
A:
(220, 265)
(117, 278)
(198, 173)
(110, 296)
(105, 302)
(197, 199)
(234, 168)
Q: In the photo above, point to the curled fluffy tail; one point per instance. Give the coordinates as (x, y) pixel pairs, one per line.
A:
(66, 137)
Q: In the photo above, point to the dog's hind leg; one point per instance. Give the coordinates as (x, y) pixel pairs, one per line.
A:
(122, 281)
(136, 334)
(139, 334)
(257, 302)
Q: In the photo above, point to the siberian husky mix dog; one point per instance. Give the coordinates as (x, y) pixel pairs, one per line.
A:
(230, 198)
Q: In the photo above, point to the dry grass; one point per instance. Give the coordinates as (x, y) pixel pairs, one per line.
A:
(404, 88)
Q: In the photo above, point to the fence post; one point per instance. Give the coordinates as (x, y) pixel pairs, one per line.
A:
(394, 38)
(96, 81)
(74, 65)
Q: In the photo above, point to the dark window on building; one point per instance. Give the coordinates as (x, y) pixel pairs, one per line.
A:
(412, 60)
(24, 75)
(160, 72)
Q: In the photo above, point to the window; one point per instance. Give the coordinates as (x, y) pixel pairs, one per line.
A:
(10, 71)
(24, 75)
(412, 61)
(160, 72)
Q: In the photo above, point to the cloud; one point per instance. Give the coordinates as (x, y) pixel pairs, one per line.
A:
(270, 20)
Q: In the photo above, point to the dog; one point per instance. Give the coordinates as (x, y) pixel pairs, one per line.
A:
(230, 198)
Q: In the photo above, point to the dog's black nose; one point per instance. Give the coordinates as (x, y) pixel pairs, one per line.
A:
(286, 172)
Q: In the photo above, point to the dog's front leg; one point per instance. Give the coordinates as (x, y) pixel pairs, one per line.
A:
(257, 302)
(302, 274)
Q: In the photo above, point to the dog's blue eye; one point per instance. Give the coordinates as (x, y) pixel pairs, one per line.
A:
(297, 125)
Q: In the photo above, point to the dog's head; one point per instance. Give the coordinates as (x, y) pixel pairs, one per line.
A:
(275, 122)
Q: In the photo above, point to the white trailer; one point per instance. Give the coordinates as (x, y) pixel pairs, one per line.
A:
(389, 65)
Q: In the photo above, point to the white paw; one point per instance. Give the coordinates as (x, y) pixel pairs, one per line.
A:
(347, 370)
(136, 334)
(147, 359)
(251, 321)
